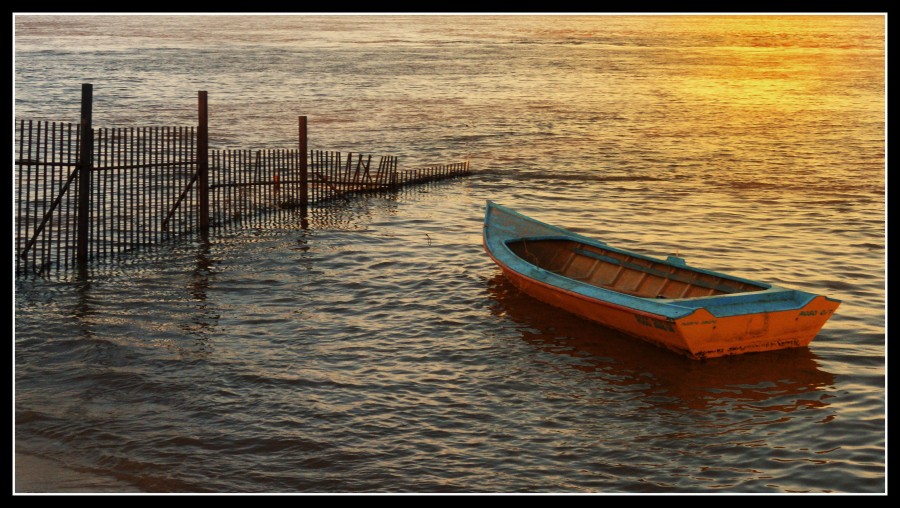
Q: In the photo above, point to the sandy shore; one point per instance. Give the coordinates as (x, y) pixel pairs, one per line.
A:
(34, 475)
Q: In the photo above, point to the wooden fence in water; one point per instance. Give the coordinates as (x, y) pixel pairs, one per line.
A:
(82, 198)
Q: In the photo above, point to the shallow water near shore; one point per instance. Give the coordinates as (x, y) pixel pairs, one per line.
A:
(373, 347)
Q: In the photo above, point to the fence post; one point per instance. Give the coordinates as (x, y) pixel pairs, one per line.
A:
(304, 167)
(85, 162)
(203, 160)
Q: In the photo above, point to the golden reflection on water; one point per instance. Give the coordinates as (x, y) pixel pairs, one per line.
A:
(774, 64)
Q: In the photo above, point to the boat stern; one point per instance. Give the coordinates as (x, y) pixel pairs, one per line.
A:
(708, 335)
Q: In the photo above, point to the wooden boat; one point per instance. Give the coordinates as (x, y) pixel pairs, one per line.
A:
(696, 312)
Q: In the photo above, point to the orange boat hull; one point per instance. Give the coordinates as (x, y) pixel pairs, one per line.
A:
(695, 312)
(699, 335)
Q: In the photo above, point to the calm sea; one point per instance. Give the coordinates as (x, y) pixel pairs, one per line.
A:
(379, 350)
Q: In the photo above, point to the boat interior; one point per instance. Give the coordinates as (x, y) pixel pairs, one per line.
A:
(624, 273)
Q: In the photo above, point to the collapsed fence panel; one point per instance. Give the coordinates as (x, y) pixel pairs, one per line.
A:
(333, 176)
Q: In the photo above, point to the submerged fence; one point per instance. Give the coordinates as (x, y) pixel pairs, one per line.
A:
(82, 198)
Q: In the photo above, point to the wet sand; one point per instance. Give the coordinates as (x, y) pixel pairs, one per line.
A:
(34, 475)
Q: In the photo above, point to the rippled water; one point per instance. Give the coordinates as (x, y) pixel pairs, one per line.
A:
(376, 348)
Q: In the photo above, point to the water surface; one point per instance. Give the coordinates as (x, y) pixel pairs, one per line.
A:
(375, 348)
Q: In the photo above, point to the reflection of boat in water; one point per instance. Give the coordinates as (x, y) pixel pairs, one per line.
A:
(665, 380)
(696, 312)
